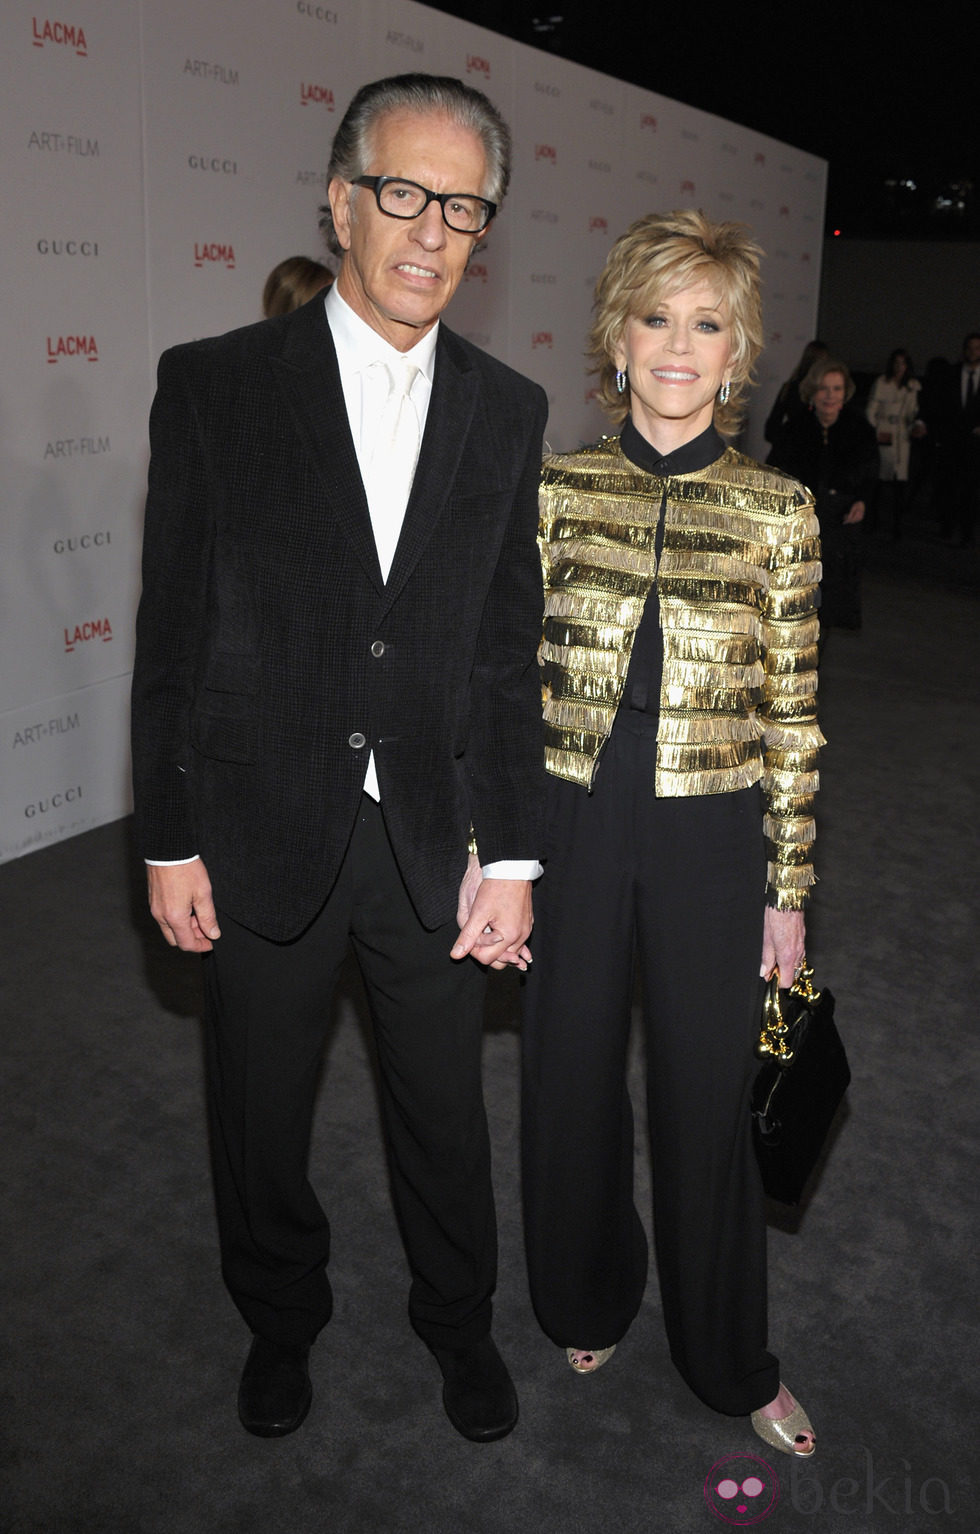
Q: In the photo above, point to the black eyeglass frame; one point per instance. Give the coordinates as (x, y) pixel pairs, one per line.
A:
(376, 184)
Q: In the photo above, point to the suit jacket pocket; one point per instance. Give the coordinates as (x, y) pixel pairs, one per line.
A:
(223, 725)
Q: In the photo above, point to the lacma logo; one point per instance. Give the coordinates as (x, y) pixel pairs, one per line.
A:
(546, 152)
(82, 633)
(598, 225)
(319, 95)
(542, 338)
(61, 33)
(648, 121)
(477, 66)
(476, 269)
(214, 254)
(60, 347)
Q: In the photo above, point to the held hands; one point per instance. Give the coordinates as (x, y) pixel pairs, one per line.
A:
(181, 904)
(783, 945)
(495, 919)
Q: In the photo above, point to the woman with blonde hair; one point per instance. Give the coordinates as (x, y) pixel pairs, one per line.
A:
(678, 664)
(831, 447)
(292, 283)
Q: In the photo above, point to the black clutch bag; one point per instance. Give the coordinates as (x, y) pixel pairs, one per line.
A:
(799, 1088)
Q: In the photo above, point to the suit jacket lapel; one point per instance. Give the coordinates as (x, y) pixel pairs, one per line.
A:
(309, 377)
(455, 390)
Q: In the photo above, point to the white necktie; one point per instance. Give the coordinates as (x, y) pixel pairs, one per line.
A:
(398, 430)
(395, 442)
(394, 454)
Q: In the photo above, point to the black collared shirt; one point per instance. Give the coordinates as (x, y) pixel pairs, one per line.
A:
(641, 693)
(686, 459)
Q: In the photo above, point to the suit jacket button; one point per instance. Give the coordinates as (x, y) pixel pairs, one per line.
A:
(378, 649)
(357, 740)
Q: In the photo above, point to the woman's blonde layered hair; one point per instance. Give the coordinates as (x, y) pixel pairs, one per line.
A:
(818, 372)
(658, 256)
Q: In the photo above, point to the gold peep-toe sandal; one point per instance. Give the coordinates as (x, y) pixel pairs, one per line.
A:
(787, 1434)
(588, 1360)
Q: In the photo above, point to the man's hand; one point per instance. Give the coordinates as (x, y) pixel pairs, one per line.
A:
(783, 945)
(856, 514)
(180, 901)
(472, 879)
(494, 918)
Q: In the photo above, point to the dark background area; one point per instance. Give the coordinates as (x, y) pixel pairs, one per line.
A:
(886, 93)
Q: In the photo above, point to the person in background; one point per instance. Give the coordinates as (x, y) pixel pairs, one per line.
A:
(679, 675)
(893, 411)
(292, 283)
(788, 405)
(832, 449)
(953, 407)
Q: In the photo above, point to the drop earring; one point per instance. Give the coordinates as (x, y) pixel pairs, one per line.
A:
(724, 392)
(620, 381)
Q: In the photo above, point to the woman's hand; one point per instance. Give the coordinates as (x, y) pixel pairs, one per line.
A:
(783, 944)
(856, 513)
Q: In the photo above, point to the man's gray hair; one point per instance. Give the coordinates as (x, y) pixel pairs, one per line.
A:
(351, 151)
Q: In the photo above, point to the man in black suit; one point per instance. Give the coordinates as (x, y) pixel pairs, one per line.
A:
(335, 690)
(952, 413)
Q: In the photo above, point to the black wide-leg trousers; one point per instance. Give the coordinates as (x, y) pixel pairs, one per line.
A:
(677, 886)
(267, 1011)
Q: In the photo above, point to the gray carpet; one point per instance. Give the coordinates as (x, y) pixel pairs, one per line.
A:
(122, 1352)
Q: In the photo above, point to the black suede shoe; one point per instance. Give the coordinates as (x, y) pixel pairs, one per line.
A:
(478, 1393)
(275, 1393)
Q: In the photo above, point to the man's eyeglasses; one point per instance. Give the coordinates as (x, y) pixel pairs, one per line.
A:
(406, 199)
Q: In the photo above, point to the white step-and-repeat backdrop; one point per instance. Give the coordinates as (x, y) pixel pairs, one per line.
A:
(158, 159)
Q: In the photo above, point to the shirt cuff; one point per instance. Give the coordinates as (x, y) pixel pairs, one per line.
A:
(513, 868)
(170, 862)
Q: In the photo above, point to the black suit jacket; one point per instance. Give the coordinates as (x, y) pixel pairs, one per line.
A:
(951, 423)
(271, 656)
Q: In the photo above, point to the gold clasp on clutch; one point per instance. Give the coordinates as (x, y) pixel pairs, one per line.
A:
(803, 983)
(772, 1040)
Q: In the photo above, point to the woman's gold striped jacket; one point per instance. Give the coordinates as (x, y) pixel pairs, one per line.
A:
(737, 584)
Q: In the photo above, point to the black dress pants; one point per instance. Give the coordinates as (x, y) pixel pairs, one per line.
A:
(679, 886)
(267, 1010)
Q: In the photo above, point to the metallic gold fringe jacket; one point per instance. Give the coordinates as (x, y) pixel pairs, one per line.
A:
(737, 586)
